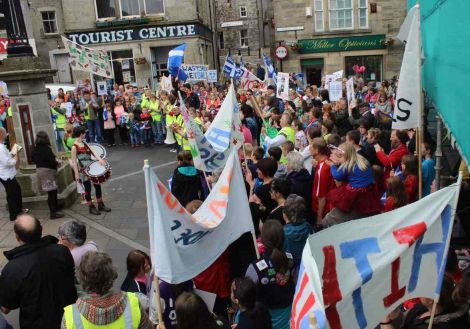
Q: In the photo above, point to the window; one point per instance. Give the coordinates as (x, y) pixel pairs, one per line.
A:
(319, 22)
(49, 22)
(341, 14)
(373, 65)
(123, 66)
(153, 7)
(362, 14)
(129, 8)
(105, 9)
(243, 11)
(221, 40)
(243, 38)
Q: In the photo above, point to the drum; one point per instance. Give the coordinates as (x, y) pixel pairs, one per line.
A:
(99, 149)
(97, 173)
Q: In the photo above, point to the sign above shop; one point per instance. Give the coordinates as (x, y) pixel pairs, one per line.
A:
(289, 28)
(141, 33)
(231, 24)
(323, 45)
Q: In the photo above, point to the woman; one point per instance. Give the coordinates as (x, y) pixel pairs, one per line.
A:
(272, 274)
(296, 230)
(250, 314)
(279, 192)
(138, 266)
(81, 157)
(261, 203)
(248, 115)
(356, 197)
(212, 102)
(396, 194)
(186, 185)
(383, 104)
(46, 164)
(100, 306)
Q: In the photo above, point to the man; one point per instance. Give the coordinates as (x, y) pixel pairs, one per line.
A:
(90, 107)
(286, 133)
(353, 137)
(58, 115)
(38, 278)
(365, 116)
(341, 115)
(322, 180)
(398, 141)
(192, 99)
(7, 177)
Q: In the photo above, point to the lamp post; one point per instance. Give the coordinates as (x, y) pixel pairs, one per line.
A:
(18, 44)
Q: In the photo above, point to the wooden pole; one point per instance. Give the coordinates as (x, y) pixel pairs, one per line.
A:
(157, 302)
(207, 181)
(419, 137)
(433, 313)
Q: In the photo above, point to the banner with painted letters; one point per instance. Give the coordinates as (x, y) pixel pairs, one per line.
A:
(225, 130)
(195, 72)
(407, 111)
(183, 245)
(248, 79)
(90, 60)
(370, 266)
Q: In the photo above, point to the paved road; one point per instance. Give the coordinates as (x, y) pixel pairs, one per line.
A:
(125, 227)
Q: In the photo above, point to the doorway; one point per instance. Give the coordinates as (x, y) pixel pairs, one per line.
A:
(159, 63)
(63, 68)
(313, 70)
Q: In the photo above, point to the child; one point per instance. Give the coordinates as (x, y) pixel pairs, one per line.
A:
(133, 127)
(138, 265)
(396, 194)
(146, 122)
(250, 314)
(109, 125)
(409, 167)
(75, 119)
(121, 117)
(300, 138)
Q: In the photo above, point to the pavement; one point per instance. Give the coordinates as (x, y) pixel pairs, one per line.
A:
(124, 228)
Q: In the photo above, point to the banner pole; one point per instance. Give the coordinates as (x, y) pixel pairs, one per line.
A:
(433, 313)
(419, 137)
(255, 244)
(207, 181)
(157, 301)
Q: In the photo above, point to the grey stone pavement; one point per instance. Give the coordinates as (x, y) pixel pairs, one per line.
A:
(123, 229)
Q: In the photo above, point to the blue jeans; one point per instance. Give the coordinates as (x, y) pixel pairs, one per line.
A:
(157, 128)
(94, 131)
(147, 137)
(135, 137)
(59, 138)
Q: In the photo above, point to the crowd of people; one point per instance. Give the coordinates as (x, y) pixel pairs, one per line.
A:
(309, 163)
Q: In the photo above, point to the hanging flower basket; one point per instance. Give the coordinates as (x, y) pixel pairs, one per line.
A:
(140, 60)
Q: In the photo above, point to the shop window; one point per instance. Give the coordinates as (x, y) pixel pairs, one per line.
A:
(221, 40)
(341, 12)
(362, 14)
(373, 65)
(123, 66)
(319, 21)
(105, 9)
(243, 11)
(243, 38)
(49, 22)
(154, 7)
(129, 8)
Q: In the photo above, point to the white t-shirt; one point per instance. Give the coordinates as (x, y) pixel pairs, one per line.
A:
(7, 164)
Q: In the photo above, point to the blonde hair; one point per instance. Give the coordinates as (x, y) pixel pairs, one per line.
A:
(352, 158)
(248, 150)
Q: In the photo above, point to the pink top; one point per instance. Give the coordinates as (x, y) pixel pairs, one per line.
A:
(118, 111)
(109, 123)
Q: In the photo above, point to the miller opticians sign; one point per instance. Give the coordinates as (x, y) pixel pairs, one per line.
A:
(143, 33)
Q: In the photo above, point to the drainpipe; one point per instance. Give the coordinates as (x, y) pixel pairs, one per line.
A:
(438, 153)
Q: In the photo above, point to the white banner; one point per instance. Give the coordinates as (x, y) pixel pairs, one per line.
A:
(165, 83)
(337, 75)
(195, 72)
(370, 266)
(328, 79)
(350, 90)
(3, 89)
(408, 101)
(336, 90)
(225, 131)
(183, 245)
(282, 87)
(212, 76)
(249, 78)
(102, 88)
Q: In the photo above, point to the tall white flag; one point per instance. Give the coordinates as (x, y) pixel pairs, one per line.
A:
(408, 101)
(183, 245)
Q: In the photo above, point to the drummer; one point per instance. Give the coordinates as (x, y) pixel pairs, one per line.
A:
(81, 158)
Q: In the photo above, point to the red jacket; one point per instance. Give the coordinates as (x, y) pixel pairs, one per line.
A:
(411, 187)
(393, 159)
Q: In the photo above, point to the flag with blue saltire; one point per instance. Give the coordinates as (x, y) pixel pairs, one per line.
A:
(232, 69)
(175, 59)
(270, 71)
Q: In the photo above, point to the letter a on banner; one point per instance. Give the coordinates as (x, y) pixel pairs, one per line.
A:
(408, 102)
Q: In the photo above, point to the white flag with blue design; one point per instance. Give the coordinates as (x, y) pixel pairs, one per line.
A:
(232, 69)
(175, 59)
(270, 71)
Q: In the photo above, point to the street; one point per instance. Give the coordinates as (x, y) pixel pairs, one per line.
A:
(125, 227)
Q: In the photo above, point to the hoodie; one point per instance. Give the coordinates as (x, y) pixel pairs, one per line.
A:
(186, 185)
(301, 183)
(296, 235)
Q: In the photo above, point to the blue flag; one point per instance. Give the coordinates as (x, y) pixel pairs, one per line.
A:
(269, 68)
(175, 59)
(232, 69)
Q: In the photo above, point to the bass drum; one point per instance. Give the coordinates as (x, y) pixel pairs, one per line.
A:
(97, 173)
(99, 149)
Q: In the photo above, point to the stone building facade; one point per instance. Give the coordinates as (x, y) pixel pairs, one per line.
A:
(325, 36)
(244, 27)
(141, 55)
